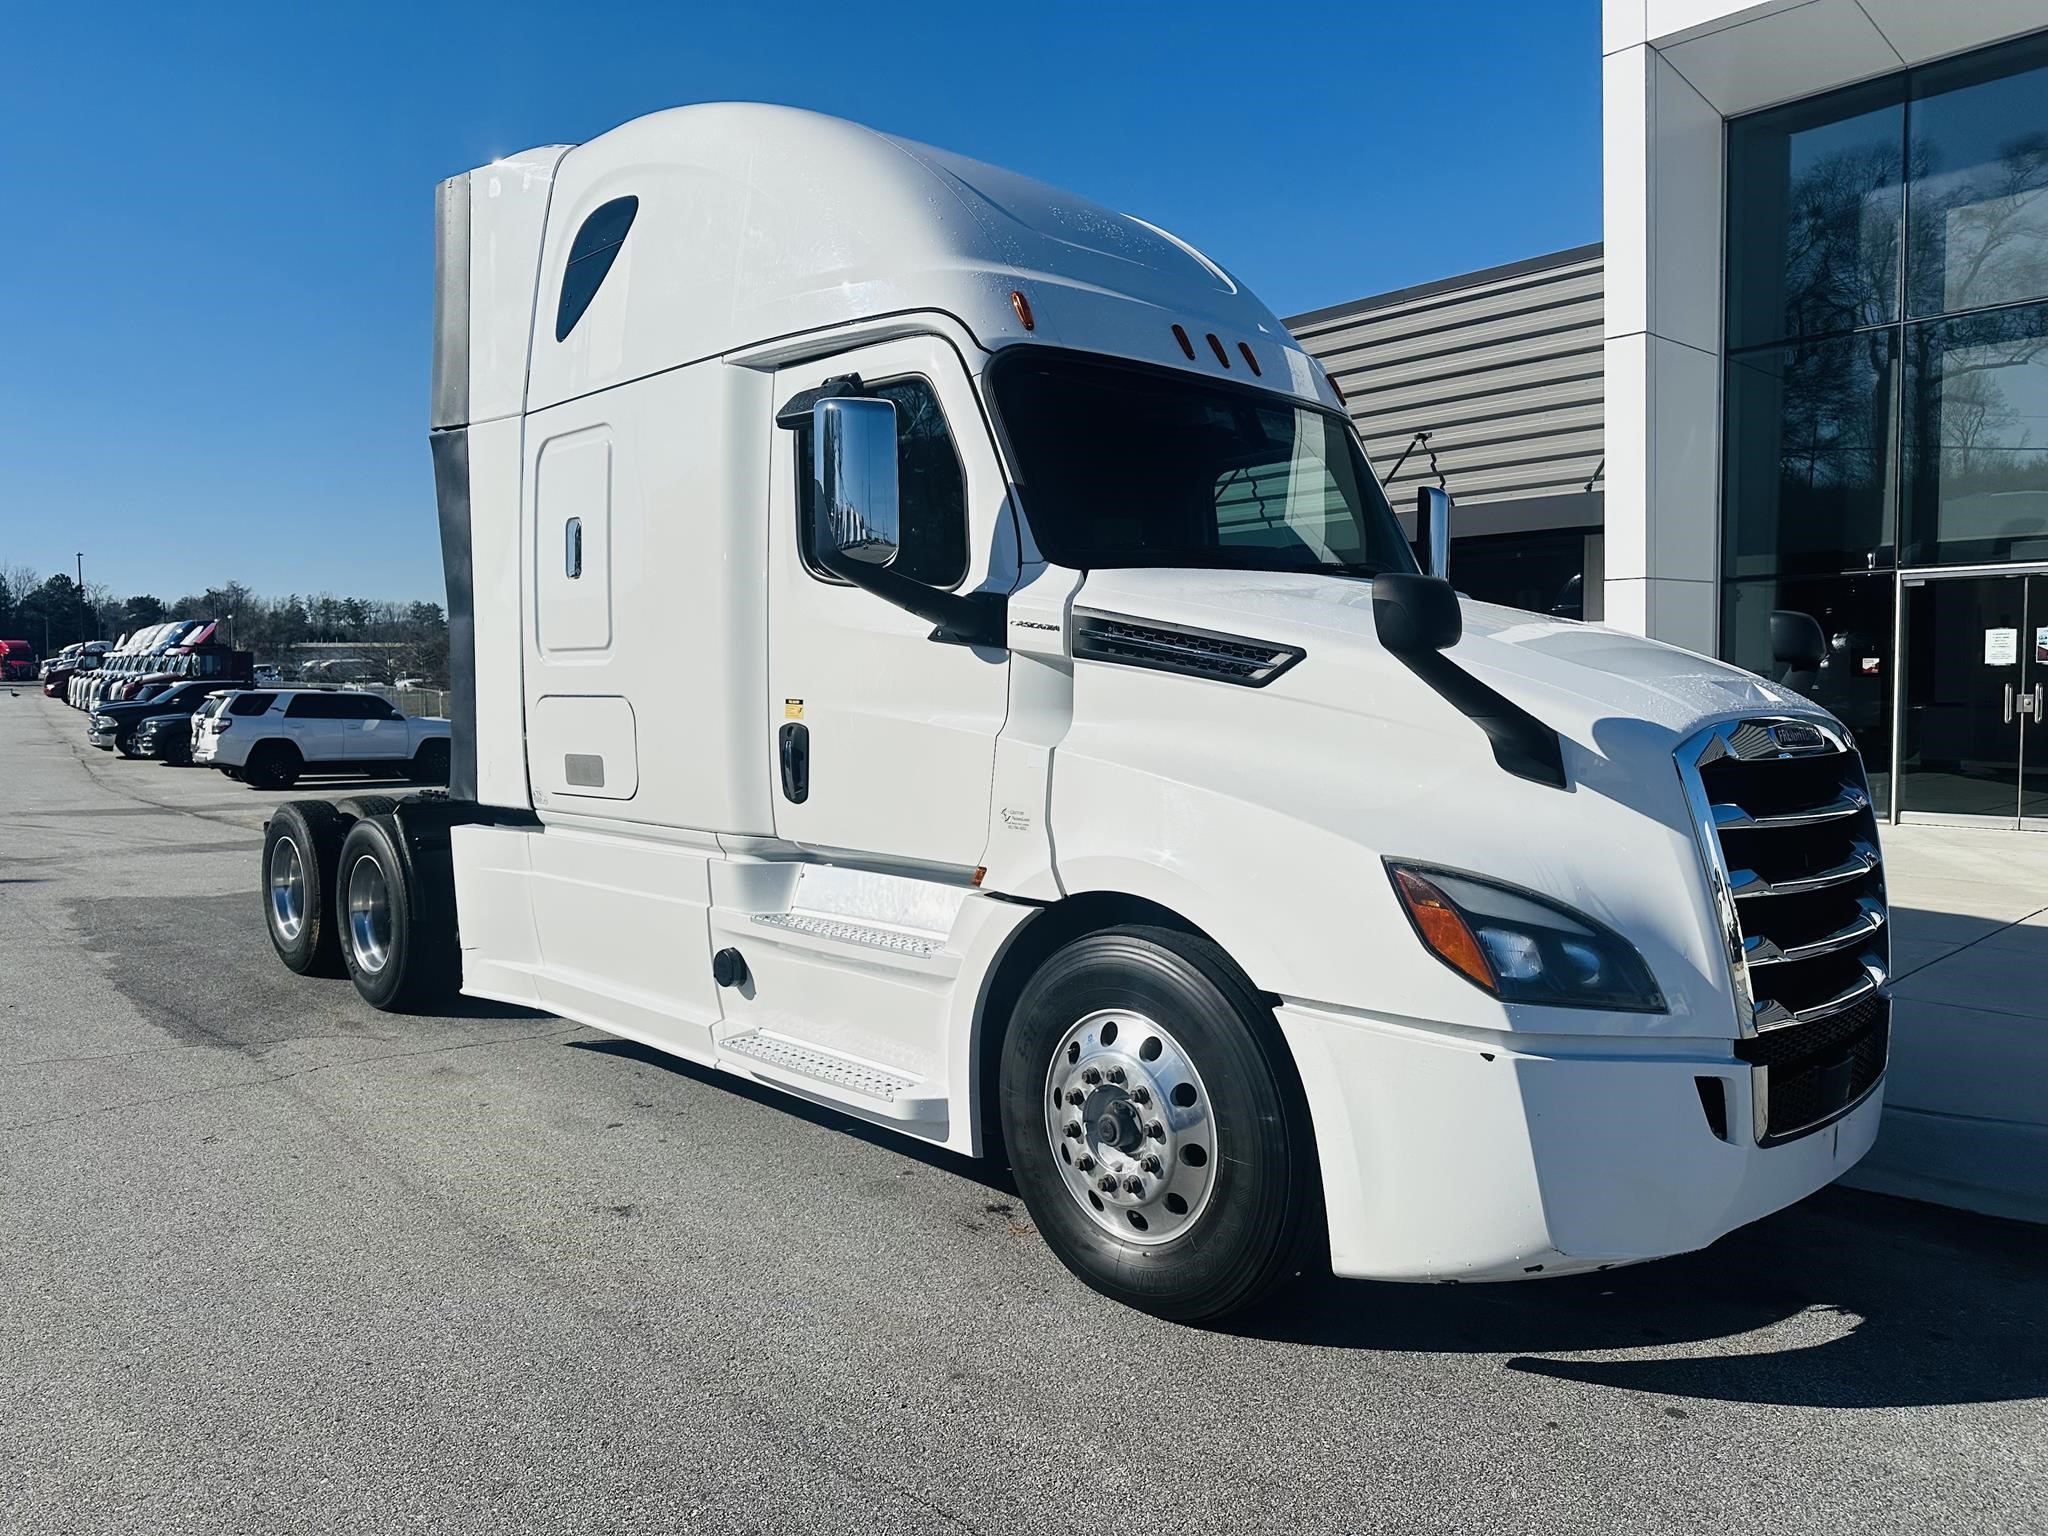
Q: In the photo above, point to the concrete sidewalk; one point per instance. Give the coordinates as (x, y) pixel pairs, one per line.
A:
(1966, 1119)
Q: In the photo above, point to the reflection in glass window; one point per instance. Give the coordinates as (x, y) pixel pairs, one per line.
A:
(1829, 638)
(1814, 209)
(1978, 205)
(1977, 438)
(1809, 457)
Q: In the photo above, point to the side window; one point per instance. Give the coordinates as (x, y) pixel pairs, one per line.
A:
(251, 703)
(591, 255)
(931, 483)
(311, 706)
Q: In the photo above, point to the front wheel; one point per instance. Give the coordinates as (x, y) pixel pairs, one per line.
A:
(429, 764)
(1156, 1125)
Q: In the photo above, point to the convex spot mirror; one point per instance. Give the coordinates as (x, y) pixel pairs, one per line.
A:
(1433, 531)
(853, 458)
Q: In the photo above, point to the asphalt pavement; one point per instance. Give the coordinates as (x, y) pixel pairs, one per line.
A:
(272, 1261)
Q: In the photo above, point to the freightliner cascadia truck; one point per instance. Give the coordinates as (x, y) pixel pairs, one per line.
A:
(933, 645)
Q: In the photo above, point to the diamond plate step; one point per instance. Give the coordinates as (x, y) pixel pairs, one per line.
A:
(801, 1060)
(892, 939)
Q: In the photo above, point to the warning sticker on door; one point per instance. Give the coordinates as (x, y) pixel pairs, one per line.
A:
(2001, 647)
(2041, 647)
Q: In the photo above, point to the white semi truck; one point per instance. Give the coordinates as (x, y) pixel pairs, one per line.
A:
(933, 645)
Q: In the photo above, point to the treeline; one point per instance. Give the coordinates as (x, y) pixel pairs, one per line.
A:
(51, 612)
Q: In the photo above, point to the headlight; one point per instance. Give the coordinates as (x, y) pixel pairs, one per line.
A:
(1521, 947)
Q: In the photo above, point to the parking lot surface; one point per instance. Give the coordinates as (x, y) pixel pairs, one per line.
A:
(270, 1260)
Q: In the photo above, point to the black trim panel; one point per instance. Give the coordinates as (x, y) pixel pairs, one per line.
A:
(1522, 744)
(1180, 648)
(451, 494)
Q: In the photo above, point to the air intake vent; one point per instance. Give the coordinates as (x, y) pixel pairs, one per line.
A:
(1176, 648)
(1789, 834)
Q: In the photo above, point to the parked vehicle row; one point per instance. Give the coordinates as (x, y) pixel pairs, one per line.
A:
(268, 737)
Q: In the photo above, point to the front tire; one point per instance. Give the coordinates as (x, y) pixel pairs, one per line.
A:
(399, 959)
(1191, 1189)
(429, 764)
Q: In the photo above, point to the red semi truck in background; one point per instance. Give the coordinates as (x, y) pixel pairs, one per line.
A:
(17, 661)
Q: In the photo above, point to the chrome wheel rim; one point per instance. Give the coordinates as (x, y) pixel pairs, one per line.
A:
(287, 889)
(1130, 1127)
(369, 915)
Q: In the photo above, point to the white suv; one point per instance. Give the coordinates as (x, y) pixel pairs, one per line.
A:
(271, 736)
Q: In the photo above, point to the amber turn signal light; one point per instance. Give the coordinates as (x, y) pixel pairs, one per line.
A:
(1442, 927)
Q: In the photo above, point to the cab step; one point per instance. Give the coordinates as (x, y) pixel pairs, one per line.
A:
(805, 1067)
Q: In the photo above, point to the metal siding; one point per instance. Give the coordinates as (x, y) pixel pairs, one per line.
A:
(1504, 368)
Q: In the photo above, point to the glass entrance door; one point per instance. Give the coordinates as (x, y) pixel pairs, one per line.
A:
(1969, 655)
(2029, 702)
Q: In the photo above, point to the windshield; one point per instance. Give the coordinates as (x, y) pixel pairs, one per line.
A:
(1126, 465)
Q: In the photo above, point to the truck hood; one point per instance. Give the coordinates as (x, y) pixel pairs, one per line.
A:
(1571, 676)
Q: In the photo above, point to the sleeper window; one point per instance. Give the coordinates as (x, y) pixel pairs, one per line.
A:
(931, 486)
(591, 255)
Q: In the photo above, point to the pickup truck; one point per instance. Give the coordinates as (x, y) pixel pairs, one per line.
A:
(270, 737)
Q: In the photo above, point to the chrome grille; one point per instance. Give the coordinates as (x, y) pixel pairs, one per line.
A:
(1789, 835)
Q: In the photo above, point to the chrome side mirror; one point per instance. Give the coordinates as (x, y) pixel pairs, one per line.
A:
(1433, 532)
(853, 456)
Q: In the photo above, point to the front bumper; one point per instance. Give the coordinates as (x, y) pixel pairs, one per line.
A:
(102, 736)
(1452, 1158)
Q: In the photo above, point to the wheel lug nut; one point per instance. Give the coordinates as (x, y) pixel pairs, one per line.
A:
(1091, 1076)
(1156, 1131)
(1076, 1097)
(1085, 1163)
(1141, 1095)
(1116, 1074)
(1134, 1185)
(1107, 1184)
(1151, 1164)
(1073, 1130)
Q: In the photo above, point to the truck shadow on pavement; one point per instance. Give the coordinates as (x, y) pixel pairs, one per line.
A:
(1919, 1305)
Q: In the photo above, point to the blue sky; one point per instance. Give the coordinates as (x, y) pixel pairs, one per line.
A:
(219, 270)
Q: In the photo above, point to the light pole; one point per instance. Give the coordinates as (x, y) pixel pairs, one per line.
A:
(83, 608)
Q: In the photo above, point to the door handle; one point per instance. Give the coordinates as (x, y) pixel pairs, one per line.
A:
(2008, 703)
(795, 743)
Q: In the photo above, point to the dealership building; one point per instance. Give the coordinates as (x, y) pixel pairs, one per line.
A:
(1793, 411)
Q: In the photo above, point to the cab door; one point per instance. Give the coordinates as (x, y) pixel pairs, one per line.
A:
(883, 740)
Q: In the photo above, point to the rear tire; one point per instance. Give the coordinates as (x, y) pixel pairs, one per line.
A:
(301, 844)
(429, 764)
(1195, 1117)
(273, 765)
(399, 957)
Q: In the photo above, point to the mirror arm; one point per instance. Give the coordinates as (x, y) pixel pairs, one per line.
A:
(972, 618)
